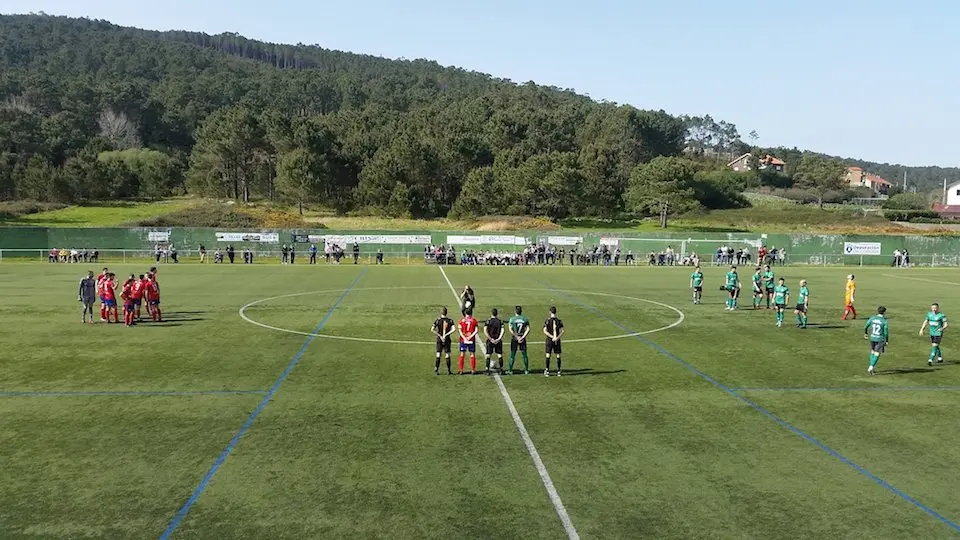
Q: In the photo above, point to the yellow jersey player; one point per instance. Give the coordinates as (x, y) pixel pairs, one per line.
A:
(848, 298)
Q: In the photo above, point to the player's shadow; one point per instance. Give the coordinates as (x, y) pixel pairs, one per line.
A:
(590, 371)
(813, 326)
(905, 371)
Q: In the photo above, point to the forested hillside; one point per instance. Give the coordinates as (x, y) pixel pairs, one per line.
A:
(90, 110)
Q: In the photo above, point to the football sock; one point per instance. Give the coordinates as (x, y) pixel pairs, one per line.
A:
(853, 312)
(799, 319)
(558, 362)
(461, 363)
(768, 302)
(803, 319)
(159, 315)
(448, 363)
(488, 361)
(548, 363)
(513, 356)
(436, 365)
(526, 361)
(874, 358)
(933, 352)
(473, 363)
(499, 361)
(103, 311)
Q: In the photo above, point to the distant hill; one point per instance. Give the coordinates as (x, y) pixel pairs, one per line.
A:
(92, 110)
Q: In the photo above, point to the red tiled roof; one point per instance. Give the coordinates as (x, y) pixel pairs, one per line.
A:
(877, 180)
(772, 160)
(946, 209)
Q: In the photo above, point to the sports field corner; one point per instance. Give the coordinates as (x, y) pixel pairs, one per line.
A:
(280, 401)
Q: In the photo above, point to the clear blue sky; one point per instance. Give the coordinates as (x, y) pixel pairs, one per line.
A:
(858, 78)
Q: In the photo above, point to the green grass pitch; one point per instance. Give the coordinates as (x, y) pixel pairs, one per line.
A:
(719, 425)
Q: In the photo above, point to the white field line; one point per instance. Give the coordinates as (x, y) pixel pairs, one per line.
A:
(527, 441)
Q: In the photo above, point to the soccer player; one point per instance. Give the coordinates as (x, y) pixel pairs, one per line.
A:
(878, 332)
(144, 284)
(137, 294)
(732, 286)
(101, 279)
(768, 283)
(494, 330)
(87, 295)
(696, 283)
(153, 298)
(468, 299)
(126, 294)
(937, 322)
(803, 302)
(110, 297)
(468, 339)
(519, 328)
(849, 298)
(553, 329)
(781, 295)
(757, 288)
(443, 327)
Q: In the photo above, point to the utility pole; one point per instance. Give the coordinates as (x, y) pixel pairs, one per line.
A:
(944, 202)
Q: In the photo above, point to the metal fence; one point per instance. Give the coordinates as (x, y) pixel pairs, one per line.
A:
(272, 256)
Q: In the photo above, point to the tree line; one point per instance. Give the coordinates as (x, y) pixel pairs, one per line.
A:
(90, 110)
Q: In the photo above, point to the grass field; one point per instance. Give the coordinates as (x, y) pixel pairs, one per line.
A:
(712, 424)
(101, 214)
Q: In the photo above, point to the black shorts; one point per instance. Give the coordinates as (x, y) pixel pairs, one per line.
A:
(494, 347)
(698, 289)
(443, 345)
(801, 308)
(935, 339)
(877, 346)
(780, 306)
(516, 345)
(757, 289)
(553, 346)
(769, 290)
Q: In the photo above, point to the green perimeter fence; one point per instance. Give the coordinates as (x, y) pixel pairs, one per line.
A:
(117, 244)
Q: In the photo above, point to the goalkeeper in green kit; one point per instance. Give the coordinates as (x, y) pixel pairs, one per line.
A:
(937, 323)
(519, 328)
(877, 331)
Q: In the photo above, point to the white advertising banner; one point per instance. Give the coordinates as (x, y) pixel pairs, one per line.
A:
(345, 239)
(269, 238)
(609, 241)
(564, 240)
(158, 236)
(486, 240)
(861, 248)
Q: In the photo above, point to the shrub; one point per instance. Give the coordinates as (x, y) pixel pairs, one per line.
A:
(909, 215)
(15, 209)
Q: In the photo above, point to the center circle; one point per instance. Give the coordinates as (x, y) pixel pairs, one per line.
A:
(245, 317)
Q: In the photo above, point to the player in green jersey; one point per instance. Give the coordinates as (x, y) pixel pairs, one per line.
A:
(768, 284)
(732, 286)
(803, 302)
(519, 328)
(937, 323)
(696, 283)
(781, 295)
(877, 331)
(757, 288)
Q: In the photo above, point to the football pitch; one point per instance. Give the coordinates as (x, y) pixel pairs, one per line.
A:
(300, 402)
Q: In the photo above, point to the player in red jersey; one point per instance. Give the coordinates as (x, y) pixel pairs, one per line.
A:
(126, 294)
(144, 283)
(153, 298)
(101, 279)
(137, 294)
(468, 339)
(110, 297)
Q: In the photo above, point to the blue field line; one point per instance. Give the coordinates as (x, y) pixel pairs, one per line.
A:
(854, 389)
(175, 522)
(132, 393)
(783, 423)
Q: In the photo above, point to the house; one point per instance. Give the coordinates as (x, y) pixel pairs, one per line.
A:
(743, 163)
(950, 210)
(857, 177)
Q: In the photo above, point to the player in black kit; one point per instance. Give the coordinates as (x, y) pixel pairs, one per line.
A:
(468, 299)
(553, 329)
(493, 329)
(443, 328)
